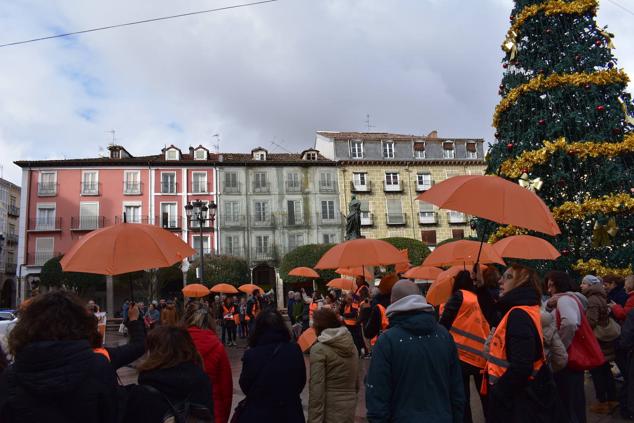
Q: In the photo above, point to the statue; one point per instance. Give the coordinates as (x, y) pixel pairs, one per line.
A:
(353, 220)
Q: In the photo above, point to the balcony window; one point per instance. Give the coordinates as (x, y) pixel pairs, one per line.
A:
(89, 183)
(132, 213)
(366, 216)
(295, 216)
(260, 183)
(232, 212)
(262, 245)
(426, 214)
(231, 182)
(448, 151)
(43, 250)
(329, 238)
(261, 211)
(48, 184)
(395, 214)
(232, 245)
(356, 149)
(295, 240)
(326, 182)
(423, 181)
(168, 183)
(196, 240)
(169, 216)
(419, 150)
(472, 152)
(388, 149)
(199, 182)
(456, 217)
(360, 181)
(132, 183)
(328, 210)
(392, 182)
(293, 183)
(88, 216)
(45, 217)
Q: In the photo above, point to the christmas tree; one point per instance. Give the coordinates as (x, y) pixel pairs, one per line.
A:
(564, 129)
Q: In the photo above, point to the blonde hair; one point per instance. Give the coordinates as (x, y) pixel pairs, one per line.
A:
(523, 275)
(197, 314)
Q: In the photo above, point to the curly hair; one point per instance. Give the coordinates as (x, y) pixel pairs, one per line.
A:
(54, 316)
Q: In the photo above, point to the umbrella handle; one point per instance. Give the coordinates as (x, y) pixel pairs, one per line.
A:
(481, 245)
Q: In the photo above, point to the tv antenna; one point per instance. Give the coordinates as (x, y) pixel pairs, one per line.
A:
(114, 137)
(367, 122)
(216, 146)
(280, 146)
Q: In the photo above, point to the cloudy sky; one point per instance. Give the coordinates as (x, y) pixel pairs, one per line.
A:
(273, 73)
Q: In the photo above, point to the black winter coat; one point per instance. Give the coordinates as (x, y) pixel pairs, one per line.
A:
(372, 325)
(273, 384)
(516, 398)
(184, 381)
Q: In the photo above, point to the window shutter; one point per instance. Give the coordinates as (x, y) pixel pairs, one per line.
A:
(428, 237)
(457, 233)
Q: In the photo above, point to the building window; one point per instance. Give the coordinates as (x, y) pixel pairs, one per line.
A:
(232, 212)
(261, 211)
(12, 201)
(232, 245)
(311, 155)
(419, 150)
(88, 216)
(360, 180)
(295, 216)
(366, 215)
(231, 182)
(199, 182)
(356, 149)
(171, 154)
(295, 240)
(426, 213)
(262, 244)
(259, 182)
(169, 215)
(293, 183)
(89, 182)
(326, 182)
(200, 154)
(388, 149)
(428, 237)
(329, 238)
(392, 182)
(11, 229)
(45, 217)
(457, 233)
(196, 240)
(168, 182)
(132, 213)
(132, 182)
(472, 152)
(260, 155)
(328, 210)
(395, 214)
(448, 151)
(456, 217)
(43, 250)
(423, 181)
(47, 184)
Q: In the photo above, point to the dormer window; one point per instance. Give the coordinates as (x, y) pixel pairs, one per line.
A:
(472, 152)
(259, 154)
(309, 155)
(448, 151)
(171, 154)
(115, 154)
(419, 150)
(200, 154)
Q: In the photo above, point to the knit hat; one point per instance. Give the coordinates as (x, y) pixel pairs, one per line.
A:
(591, 280)
(387, 283)
(404, 288)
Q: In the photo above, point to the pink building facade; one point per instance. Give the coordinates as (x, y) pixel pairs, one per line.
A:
(65, 199)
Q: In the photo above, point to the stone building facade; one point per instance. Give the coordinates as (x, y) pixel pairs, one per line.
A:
(9, 224)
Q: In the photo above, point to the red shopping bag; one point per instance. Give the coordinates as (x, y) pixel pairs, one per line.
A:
(584, 353)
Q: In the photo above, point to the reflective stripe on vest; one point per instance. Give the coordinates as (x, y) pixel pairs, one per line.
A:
(497, 363)
(311, 309)
(102, 351)
(470, 330)
(348, 310)
(228, 315)
(385, 323)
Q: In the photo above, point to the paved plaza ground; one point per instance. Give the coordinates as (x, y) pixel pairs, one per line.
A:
(129, 375)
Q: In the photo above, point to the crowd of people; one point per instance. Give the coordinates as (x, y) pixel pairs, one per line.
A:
(524, 341)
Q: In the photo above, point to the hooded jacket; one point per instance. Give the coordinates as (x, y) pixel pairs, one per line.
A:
(334, 378)
(598, 314)
(414, 374)
(186, 381)
(218, 370)
(59, 382)
(556, 354)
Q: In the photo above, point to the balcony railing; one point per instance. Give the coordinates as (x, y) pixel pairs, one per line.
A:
(10, 268)
(456, 217)
(132, 219)
(89, 188)
(200, 187)
(293, 186)
(237, 251)
(262, 221)
(367, 187)
(233, 220)
(131, 188)
(294, 220)
(329, 218)
(393, 187)
(40, 257)
(395, 219)
(170, 223)
(13, 211)
(11, 238)
(45, 224)
(206, 251)
(193, 225)
(367, 219)
(87, 223)
(424, 186)
(232, 189)
(427, 218)
(264, 187)
(325, 187)
(46, 189)
(262, 254)
(169, 187)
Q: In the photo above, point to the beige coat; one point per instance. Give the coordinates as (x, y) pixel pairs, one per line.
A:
(554, 349)
(334, 378)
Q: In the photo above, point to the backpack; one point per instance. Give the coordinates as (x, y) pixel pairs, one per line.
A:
(184, 411)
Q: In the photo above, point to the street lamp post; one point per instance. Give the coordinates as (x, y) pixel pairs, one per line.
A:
(196, 211)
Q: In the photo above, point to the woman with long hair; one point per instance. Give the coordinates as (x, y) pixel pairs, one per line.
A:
(171, 374)
(199, 321)
(334, 371)
(273, 373)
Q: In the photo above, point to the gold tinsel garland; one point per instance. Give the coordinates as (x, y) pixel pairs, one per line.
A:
(596, 267)
(524, 163)
(505, 231)
(542, 83)
(552, 7)
(608, 204)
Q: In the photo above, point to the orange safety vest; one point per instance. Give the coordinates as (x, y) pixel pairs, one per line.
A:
(470, 330)
(497, 364)
(256, 308)
(385, 323)
(102, 351)
(347, 310)
(226, 313)
(311, 309)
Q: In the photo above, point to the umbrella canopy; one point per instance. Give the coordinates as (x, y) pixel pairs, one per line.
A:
(343, 284)
(462, 252)
(526, 247)
(303, 272)
(423, 272)
(224, 288)
(440, 290)
(403, 266)
(360, 252)
(495, 199)
(356, 271)
(195, 290)
(249, 288)
(307, 339)
(125, 248)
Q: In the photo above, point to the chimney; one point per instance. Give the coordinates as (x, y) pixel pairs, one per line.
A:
(433, 134)
(191, 151)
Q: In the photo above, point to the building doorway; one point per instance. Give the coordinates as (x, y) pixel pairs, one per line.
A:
(7, 295)
(263, 275)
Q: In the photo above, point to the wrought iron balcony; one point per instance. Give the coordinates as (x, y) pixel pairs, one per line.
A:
(355, 187)
(40, 224)
(427, 218)
(132, 188)
(396, 219)
(47, 189)
(87, 223)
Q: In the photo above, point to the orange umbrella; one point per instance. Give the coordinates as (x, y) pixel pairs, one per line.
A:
(402, 267)
(495, 199)
(356, 271)
(360, 252)
(462, 252)
(344, 284)
(195, 290)
(125, 248)
(249, 288)
(423, 272)
(303, 272)
(307, 339)
(526, 247)
(224, 288)
(440, 290)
